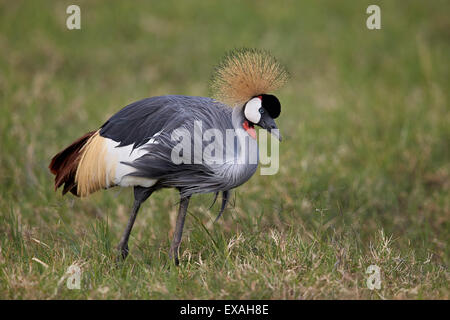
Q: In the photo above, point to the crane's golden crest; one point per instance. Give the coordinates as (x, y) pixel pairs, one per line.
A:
(245, 73)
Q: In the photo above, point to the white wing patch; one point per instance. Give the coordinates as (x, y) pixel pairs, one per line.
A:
(116, 155)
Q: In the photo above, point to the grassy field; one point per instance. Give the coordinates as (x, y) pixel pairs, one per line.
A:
(364, 166)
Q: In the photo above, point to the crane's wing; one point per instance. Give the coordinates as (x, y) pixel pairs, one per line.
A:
(143, 141)
(134, 148)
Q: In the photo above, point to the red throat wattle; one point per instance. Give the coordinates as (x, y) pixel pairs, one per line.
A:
(250, 129)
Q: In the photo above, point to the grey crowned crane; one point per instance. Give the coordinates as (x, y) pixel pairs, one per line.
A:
(135, 147)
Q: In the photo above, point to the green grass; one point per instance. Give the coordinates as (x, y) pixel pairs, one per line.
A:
(365, 161)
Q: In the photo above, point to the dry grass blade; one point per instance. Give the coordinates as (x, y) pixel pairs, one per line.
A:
(40, 262)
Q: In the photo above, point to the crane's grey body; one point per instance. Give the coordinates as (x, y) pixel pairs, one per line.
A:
(159, 116)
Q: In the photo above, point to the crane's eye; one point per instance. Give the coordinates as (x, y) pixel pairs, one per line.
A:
(261, 110)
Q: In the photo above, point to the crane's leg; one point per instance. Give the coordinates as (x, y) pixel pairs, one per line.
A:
(173, 253)
(140, 195)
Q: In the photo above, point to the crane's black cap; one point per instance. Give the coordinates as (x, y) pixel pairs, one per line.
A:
(271, 104)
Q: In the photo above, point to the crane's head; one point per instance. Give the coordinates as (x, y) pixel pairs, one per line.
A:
(244, 78)
(262, 110)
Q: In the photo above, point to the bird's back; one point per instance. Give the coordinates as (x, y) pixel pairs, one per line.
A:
(139, 121)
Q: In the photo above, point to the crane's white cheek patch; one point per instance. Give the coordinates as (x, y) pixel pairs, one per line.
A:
(251, 111)
(118, 171)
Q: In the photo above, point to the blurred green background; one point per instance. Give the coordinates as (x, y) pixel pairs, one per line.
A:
(364, 168)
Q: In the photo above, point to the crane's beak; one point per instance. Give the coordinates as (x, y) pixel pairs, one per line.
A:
(269, 124)
(276, 133)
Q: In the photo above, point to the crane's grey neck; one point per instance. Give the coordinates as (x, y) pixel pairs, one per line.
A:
(247, 151)
(238, 117)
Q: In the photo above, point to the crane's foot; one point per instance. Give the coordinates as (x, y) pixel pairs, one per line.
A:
(173, 256)
(122, 253)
